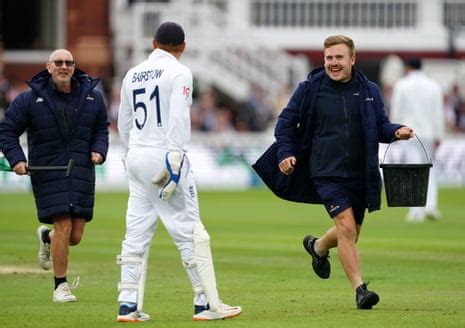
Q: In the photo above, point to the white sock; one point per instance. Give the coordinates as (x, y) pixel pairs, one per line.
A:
(200, 299)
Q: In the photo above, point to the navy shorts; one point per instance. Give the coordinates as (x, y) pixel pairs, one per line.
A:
(339, 194)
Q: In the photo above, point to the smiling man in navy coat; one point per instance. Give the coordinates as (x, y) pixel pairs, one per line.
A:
(65, 119)
(326, 151)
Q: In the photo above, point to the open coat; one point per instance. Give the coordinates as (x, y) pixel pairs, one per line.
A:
(51, 141)
(294, 133)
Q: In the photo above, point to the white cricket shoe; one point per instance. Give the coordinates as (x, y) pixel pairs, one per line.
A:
(63, 294)
(44, 250)
(415, 218)
(128, 313)
(433, 215)
(224, 312)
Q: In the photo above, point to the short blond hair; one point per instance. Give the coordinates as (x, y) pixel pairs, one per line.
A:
(340, 39)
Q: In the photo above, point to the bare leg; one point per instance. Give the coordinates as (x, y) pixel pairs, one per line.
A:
(347, 235)
(327, 241)
(77, 231)
(60, 237)
(65, 232)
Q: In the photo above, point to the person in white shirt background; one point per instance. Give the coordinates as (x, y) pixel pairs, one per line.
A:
(154, 126)
(417, 101)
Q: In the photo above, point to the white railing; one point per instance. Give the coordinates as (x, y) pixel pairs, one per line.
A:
(454, 13)
(334, 13)
(217, 52)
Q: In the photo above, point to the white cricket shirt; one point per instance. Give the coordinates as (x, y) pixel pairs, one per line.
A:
(156, 96)
(417, 102)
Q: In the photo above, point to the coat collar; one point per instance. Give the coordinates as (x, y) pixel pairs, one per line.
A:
(39, 84)
(39, 81)
(319, 72)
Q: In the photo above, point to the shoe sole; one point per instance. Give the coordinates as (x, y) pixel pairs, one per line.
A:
(133, 317)
(230, 316)
(64, 301)
(369, 302)
(308, 245)
(126, 320)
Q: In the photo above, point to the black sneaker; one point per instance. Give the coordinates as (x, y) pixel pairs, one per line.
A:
(126, 308)
(200, 308)
(365, 298)
(320, 264)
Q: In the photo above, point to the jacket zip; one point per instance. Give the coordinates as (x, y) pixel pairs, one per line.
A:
(65, 122)
(70, 193)
(346, 127)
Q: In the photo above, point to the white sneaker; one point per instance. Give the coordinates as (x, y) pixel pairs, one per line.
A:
(44, 250)
(224, 312)
(63, 294)
(128, 313)
(136, 316)
(433, 215)
(415, 218)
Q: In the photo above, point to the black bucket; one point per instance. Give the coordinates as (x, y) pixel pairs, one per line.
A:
(406, 184)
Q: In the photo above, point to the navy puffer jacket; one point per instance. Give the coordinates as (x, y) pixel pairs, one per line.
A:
(52, 141)
(294, 131)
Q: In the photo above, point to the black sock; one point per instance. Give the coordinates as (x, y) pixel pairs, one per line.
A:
(59, 280)
(46, 236)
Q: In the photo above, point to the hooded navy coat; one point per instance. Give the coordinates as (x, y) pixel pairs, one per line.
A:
(294, 133)
(52, 141)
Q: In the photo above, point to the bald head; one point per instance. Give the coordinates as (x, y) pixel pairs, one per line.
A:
(60, 66)
(58, 53)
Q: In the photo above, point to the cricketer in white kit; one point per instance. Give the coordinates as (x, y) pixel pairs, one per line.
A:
(417, 100)
(154, 126)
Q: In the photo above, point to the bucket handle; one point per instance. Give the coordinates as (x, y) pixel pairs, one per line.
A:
(428, 158)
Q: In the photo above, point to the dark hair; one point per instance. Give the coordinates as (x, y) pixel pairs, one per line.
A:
(414, 63)
(169, 33)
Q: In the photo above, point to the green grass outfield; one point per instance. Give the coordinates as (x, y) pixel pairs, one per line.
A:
(418, 269)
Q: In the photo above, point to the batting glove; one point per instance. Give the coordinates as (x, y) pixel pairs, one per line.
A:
(168, 178)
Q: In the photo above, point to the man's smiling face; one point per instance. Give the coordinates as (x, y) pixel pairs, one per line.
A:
(61, 67)
(338, 62)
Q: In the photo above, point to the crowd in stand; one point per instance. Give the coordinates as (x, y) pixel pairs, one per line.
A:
(212, 111)
(455, 110)
(9, 89)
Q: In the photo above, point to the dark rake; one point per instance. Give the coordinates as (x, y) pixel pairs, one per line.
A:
(66, 168)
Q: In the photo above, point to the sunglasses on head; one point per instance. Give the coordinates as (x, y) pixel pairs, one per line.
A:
(60, 62)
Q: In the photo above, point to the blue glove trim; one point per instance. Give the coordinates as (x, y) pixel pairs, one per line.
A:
(173, 176)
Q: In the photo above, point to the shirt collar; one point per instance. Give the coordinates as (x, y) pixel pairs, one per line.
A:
(157, 53)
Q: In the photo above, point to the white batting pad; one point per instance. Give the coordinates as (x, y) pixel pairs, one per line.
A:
(204, 261)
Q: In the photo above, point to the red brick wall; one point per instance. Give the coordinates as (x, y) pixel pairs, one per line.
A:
(88, 35)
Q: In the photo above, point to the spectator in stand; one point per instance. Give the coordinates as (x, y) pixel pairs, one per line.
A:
(14, 89)
(456, 110)
(113, 107)
(207, 110)
(224, 119)
(259, 114)
(452, 102)
(4, 85)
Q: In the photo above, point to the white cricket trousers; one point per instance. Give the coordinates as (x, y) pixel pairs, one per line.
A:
(179, 214)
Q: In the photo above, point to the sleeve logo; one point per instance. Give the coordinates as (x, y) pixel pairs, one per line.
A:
(186, 91)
